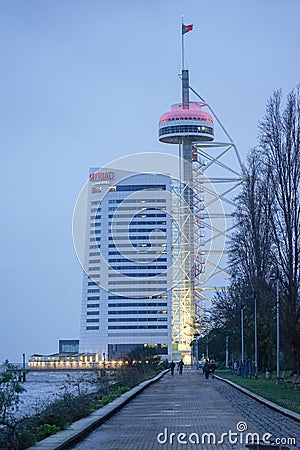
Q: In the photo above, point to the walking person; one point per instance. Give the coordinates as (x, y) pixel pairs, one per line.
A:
(206, 369)
(213, 368)
(172, 367)
(180, 367)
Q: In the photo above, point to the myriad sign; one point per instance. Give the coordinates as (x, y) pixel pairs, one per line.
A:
(101, 176)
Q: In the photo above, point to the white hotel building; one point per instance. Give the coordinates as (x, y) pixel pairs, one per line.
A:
(126, 296)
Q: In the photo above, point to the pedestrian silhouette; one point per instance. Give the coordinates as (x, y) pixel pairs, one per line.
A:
(180, 367)
(206, 369)
(213, 368)
(172, 367)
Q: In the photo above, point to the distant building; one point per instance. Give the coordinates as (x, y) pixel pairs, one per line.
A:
(126, 296)
(68, 346)
(68, 357)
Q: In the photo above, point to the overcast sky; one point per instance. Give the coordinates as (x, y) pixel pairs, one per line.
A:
(85, 82)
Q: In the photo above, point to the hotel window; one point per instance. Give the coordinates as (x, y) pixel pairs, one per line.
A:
(141, 187)
(134, 319)
(132, 305)
(137, 327)
(141, 311)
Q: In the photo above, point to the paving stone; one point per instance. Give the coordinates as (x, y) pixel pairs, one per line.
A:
(194, 406)
(264, 418)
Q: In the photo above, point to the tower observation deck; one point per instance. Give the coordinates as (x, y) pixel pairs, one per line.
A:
(181, 122)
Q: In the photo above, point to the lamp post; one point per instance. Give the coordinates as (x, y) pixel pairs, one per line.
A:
(255, 336)
(207, 346)
(227, 354)
(275, 277)
(252, 296)
(277, 332)
(242, 332)
(196, 337)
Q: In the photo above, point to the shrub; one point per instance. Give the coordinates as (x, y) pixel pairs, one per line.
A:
(10, 390)
(105, 399)
(45, 430)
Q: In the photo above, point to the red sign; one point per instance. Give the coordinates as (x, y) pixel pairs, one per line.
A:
(100, 176)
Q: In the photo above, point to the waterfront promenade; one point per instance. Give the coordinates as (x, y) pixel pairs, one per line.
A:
(190, 412)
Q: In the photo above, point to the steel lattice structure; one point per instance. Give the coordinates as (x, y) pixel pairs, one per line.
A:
(203, 208)
(213, 217)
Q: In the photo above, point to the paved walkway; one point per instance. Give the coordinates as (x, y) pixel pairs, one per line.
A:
(193, 406)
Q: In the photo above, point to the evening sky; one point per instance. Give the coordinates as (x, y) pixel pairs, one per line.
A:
(85, 82)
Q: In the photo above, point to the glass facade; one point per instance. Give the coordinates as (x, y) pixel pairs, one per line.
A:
(128, 269)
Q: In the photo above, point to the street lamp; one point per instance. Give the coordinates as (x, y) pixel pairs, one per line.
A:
(255, 336)
(196, 337)
(207, 346)
(275, 277)
(242, 332)
(227, 354)
(252, 296)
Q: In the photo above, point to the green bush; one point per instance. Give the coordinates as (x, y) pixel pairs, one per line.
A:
(121, 389)
(66, 410)
(105, 399)
(45, 430)
(10, 390)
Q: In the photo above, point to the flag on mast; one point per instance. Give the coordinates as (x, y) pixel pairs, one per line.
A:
(186, 28)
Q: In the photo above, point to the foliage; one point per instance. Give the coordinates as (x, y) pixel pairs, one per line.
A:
(143, 355)
(118, 390)
(280, 141)
(266, 242)
(77, 384)
(10, 390)
(66, 409)
(59, 414)
(45, 430)
(140, 363)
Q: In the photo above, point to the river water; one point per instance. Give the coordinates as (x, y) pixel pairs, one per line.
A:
(45, 386)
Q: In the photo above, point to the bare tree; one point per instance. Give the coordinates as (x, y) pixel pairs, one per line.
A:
(280, 144)
(252, 240)
(251, 256)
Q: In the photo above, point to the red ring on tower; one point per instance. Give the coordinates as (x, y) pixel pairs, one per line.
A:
(182, 122)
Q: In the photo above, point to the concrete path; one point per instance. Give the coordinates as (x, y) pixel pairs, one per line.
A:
(186, 412)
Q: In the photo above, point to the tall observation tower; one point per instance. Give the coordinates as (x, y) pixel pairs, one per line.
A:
(148, 262)
(184, 125)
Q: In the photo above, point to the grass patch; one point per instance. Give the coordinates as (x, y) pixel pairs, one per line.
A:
(288, 398)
